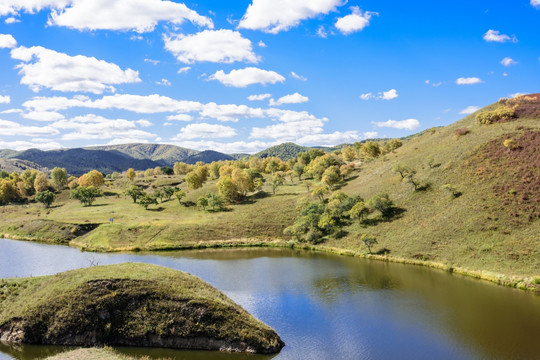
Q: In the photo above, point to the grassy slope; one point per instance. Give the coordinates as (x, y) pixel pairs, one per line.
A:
(476, 231)
(126, 304)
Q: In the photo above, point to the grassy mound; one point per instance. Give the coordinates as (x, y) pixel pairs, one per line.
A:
(131, 305)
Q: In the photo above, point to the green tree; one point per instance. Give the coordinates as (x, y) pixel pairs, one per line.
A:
(298, 169)
(392, 145)
(369, 241)
(319, 192)
(202, 202)
(180, 194)
(59, 178)
(167, 170)
(277, 180)
(134, 192)
(382, 203)
(28, 177)
(359, 211)
(86, 194)
(215, 202)
(159, 194)
(45, 197)
(169, 191)
(331, 177)
(146, 200)
(371, 149)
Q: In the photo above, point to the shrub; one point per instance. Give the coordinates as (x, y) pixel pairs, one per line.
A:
(45, 197)
(503, 113)
(461, 132)
(382, 203)
(510, 144)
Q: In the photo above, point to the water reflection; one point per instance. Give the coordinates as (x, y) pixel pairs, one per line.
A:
(326, 306)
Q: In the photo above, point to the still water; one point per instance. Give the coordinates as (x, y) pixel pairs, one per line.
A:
(326, 306)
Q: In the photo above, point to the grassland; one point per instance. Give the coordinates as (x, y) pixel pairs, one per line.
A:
(489, 231)
(128, 304)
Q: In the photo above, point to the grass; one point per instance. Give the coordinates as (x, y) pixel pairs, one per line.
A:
(90, 354)
(492, 227)
(129, 304)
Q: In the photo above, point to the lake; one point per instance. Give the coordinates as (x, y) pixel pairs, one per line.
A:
(326, 306)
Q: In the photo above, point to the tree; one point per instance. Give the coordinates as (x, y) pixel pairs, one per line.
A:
(214, 201)
(134, 192)
(86, 194)
(277, 180)
(369, 241)
(308, 184)
(59, 178)
(165, 170)
(28, 177)
(348, 153)
(243, 182)
(180, 195)
(130, 174)
(359, 211)
(180, 168)
(392, 145)
(196, 178)
(41, 183)
(45, 197)
(298, 169)
(382, 203)
(148, 173)
(159, 194)
(169, 191)
(146, 200)
(371, 149)
(319, 192)
(202, 202)
(8, 192)
(92, 178)
(331, 177)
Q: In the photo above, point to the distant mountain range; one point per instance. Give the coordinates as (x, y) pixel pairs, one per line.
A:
(110, 158)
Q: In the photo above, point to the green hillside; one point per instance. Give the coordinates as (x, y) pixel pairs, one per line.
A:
(128, 304)
(283, 151)
(161, 153)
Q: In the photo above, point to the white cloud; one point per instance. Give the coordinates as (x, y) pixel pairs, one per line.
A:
(24, 145)
(274, 16)
(204, 131)
(295, 98)
(469, 110)
(138, 15)
(292, 123)
(230, 112)
(468, 81)
(13, 7)
(385, 95)
(261, 44)
(144, 123)
(43, 116)
(219, 46)
(5, 99)
(516, 94)
(332, 139)
(389, 95)
(496, 36)
(44, 68)
(97, 127)
(535, 3)
(298, 77)
(247, 76)
(164, 82)
(11, 111)
(11, 128)
(259, 97)
(367, 96)
(7, 41)
(180, 117)
(409, 124)
(184, 69)
(12, 20)
(151, 61)
(507, 61)
(321, 32)
(355, 21)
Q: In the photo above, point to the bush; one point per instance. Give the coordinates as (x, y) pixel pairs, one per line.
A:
(382, 203)
(45, 197)
(461, 132)
(510, 144)
(501, 113)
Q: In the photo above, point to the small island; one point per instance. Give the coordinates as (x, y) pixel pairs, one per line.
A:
(129, 304)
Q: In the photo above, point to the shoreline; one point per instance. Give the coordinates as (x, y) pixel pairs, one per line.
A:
(522, 283)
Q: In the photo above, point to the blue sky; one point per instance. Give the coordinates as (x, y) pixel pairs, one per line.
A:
(242, 75)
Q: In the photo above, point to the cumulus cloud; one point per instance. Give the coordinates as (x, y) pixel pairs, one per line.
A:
(384, 95)
(43, 116)
(230, 112)
(508, 61)
(469, 110)
(496, 36)
(204, 131)
(298, 77)
(11, 128)
(356, 21)
(24, 145)
(12, 20)
(535, 3)
(274, 16)
(409, 124)
(335, 138)
(7, 41)
(184, 69)
(5, 99)
(247, 76)
(292, 123)
(261, 44)
(44, 68)
(164, 82)
(468, 81)
(219, 46)
(138, 15)
(180, 117)
(259, 97)
(97, 127)
(295, 98)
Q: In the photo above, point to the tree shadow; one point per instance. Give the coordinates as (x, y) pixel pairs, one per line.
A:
(424, 187)
(383, 251)
(188, 203)
(158, 209)
(393, 214)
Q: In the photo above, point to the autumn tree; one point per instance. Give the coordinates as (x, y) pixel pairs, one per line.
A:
(8, 192)
(181, 168)
(59, 178)
(92, 178)
(130, 174)
(277, 180)
(41, 183)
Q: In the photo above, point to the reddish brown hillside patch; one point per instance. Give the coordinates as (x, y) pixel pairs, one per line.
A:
(516, 173)
(528, 107)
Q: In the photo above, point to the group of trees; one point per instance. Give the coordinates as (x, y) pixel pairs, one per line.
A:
(326, 217)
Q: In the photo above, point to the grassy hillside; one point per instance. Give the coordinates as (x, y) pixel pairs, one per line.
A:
(10, 165)
(128, 304)
(207, 156)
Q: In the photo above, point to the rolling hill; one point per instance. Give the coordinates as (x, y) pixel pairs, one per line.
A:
(166, 155)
